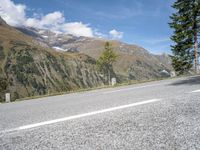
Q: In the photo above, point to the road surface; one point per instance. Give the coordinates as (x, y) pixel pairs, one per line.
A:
(155, 115)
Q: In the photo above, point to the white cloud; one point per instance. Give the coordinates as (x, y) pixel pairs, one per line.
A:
(51, 20)
(99, 34)
(15, 15)
(116, 34)
(78, 29)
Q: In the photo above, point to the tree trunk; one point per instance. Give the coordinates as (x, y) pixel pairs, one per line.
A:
(196, 53)
(108, 76)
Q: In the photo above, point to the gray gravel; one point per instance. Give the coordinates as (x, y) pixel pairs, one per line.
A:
(173, 123)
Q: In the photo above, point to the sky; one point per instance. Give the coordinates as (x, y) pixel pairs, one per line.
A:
(140, 22)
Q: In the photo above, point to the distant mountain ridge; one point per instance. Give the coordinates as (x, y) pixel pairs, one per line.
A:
(134, 61)
(36, 62)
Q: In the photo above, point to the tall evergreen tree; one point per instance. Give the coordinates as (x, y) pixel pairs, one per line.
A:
(185, 22)
(106, 60)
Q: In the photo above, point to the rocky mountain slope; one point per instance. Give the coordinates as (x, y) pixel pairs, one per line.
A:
(134, 62)
(28, 68)
(36, 61)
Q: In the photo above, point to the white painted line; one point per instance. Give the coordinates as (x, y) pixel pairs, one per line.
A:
(132, 88)
(196, 91)
(80, 115)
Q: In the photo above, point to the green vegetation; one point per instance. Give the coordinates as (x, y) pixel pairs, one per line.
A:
(3, 84)
(185, 22)
(2, 55)
(33, 72)
(106, 60)
(130, 82)
(3, 87)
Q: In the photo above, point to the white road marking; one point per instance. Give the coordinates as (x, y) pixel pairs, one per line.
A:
(80, 116)
(196, 91)
(132, 88)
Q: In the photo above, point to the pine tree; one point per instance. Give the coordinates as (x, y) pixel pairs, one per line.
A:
(106, 60)
(185, 22)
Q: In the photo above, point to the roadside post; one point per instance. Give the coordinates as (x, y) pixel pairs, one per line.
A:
(7, 96)
(113, 81)
(172, 74)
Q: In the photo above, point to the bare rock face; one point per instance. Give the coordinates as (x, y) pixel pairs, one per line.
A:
(29, 69)
(36, 72)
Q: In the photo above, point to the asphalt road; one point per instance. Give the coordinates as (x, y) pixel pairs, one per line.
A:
(156, 115)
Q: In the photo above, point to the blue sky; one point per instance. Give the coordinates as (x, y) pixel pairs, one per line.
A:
(141, 22)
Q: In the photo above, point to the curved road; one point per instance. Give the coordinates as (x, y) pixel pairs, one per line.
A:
(155, 115)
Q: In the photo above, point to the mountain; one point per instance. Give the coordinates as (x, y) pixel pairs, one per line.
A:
(2, 22)
(29, 67)
(134, 62)
(37, 61)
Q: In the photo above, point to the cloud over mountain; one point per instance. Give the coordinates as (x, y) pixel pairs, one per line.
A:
(15, 15)
(116, 34)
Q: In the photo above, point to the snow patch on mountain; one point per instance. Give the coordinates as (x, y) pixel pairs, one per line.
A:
(58, 48)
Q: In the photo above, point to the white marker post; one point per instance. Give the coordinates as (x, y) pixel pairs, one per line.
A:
(172, 74)
(114, 82)
(7, 96)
